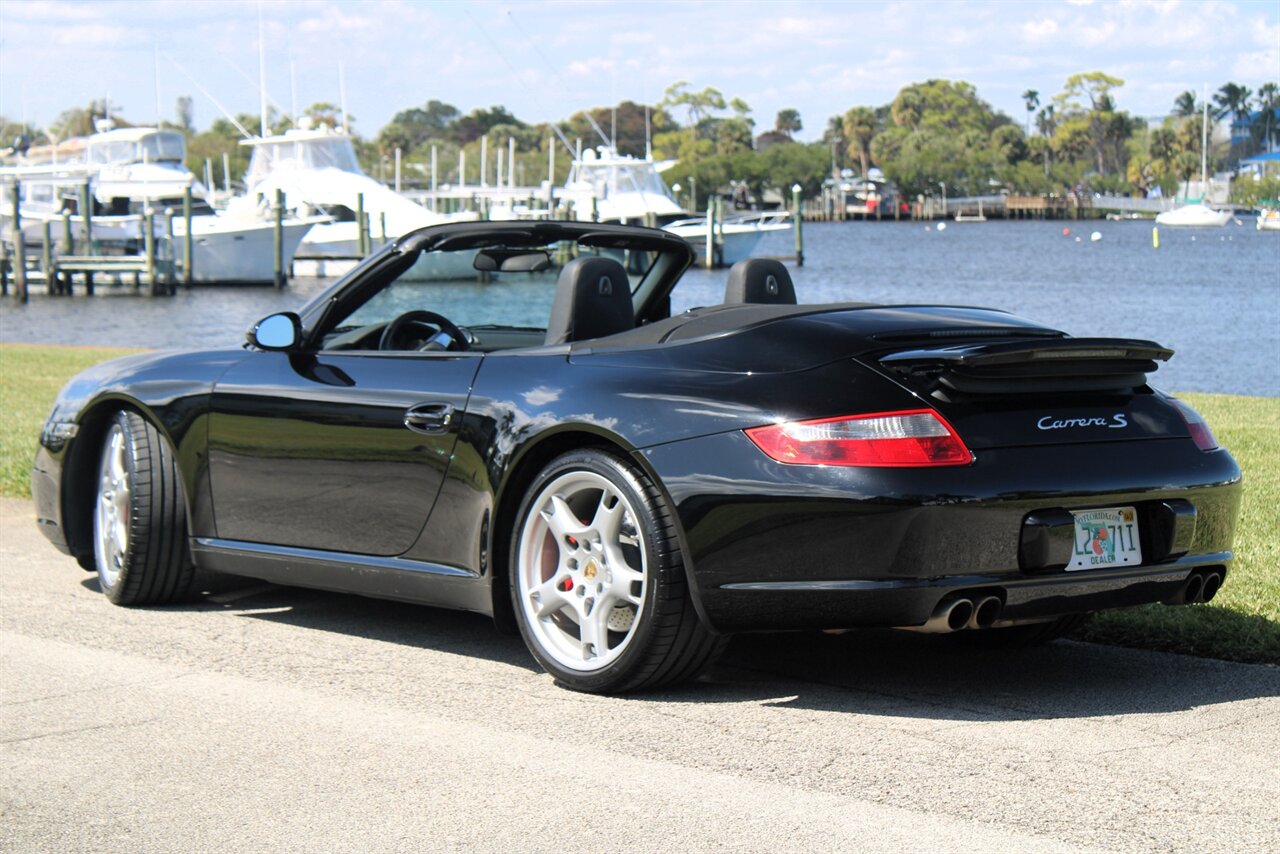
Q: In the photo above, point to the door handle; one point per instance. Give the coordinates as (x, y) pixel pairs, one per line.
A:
(432, 419)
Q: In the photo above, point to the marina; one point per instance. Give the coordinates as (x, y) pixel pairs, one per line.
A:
(121, 202)
(1211, 295)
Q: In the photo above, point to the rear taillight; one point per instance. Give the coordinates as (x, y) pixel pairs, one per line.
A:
(1200, 432)
(918, 437)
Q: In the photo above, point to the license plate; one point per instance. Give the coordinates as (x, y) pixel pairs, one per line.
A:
(1104, 538)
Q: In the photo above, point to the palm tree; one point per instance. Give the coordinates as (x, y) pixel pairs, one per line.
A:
(1032, 99)
(1185, 104)
(1233, 100)
(1047, 123)
(788, 122)
(1268, 102)
(859, 130)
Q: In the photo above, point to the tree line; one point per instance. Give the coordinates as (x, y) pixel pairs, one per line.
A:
(934, 133)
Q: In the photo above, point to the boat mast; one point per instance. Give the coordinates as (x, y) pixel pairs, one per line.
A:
(262, 78)
(342, 95)
(1204, 147)
(156, 71)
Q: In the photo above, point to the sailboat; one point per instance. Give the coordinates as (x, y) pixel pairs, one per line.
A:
(1198, 215)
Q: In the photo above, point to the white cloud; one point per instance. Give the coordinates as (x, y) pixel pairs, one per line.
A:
(90, 35)
(594, 65)
(336, 23)
(543, 62)
(1257, 66)
(1040, 30)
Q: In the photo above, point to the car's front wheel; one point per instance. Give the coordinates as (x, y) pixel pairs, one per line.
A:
(599, 583)
(140, 519)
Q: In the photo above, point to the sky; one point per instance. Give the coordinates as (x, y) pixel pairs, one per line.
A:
(546, 60)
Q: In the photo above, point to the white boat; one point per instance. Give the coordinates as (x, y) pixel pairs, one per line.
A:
(737, 236)
(133, 171)
(1194, 216)
(867, 196)
(1197, 215)
(317, 170)
(610, 187)
(1268, 220)
(606, 186)
(978, 217)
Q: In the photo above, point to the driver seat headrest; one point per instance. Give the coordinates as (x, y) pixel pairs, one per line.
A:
(593, 299)
(759, 280)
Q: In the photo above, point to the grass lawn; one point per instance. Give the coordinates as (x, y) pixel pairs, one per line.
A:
(1241, 624)
(1243, 621)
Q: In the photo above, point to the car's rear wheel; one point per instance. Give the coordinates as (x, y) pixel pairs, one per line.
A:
(139, 520)
(598, 579)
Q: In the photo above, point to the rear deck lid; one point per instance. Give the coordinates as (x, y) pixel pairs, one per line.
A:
(1006, 393)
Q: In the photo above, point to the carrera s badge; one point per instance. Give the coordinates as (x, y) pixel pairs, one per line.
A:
(1114, 422)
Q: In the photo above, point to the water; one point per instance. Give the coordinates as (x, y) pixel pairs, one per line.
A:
(1213, 295)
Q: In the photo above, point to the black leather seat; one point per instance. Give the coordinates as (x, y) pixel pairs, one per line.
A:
(759, 280)
(593, 299)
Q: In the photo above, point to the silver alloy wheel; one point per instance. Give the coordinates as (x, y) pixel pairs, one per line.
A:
(581, 571)
(111, 519)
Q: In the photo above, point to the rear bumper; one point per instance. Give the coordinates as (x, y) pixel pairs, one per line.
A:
(858, 603)
(772, 546)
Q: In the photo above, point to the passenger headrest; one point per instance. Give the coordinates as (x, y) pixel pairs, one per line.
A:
(593, 299)
(759, 280)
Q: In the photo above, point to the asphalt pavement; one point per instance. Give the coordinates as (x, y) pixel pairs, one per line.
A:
(267, 718)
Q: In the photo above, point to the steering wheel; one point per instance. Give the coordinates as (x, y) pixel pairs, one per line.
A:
(437, 323)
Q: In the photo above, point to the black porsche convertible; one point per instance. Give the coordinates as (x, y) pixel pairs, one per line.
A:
(629, 485)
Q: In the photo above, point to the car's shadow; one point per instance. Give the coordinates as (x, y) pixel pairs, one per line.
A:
(890, 673)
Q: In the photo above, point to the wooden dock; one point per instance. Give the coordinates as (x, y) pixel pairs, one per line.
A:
(833, 206)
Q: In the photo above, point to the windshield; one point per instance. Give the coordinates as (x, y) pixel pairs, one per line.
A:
(450, 284)
(153, 148)
(329, 153)
(609, 179)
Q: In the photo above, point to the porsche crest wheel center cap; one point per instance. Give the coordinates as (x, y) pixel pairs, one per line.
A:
(591, 570)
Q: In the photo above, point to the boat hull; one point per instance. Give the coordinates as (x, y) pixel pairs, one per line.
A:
(1194, 216)
(735, 241)
(245, 254)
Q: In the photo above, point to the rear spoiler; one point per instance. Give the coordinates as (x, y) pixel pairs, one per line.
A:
(1028, 367)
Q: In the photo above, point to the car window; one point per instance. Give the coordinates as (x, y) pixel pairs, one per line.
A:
(448, 283)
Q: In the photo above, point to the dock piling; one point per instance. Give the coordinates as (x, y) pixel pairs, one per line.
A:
(86, 216)
(798, 216)
(709, 256)
(19, 250)
(362, 224)
(149, 242)
(46, 258)
(170, 254)
(278, 237)
(188, 240)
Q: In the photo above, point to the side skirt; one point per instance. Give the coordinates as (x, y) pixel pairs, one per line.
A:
(377, 577)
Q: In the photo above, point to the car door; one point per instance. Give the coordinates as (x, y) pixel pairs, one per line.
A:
(338, 451)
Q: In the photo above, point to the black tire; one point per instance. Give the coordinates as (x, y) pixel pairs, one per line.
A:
(140, 517)
(650, 634)
(1031, 634)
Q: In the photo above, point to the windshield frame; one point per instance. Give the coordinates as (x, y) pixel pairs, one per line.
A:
(649, 291)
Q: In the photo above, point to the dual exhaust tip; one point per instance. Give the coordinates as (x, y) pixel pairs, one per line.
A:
(1201, 586)
(953, 615)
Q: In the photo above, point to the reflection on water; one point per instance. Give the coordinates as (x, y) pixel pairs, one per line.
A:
(1213, 295)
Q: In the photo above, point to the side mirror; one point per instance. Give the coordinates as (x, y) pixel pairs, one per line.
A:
(281, 331)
